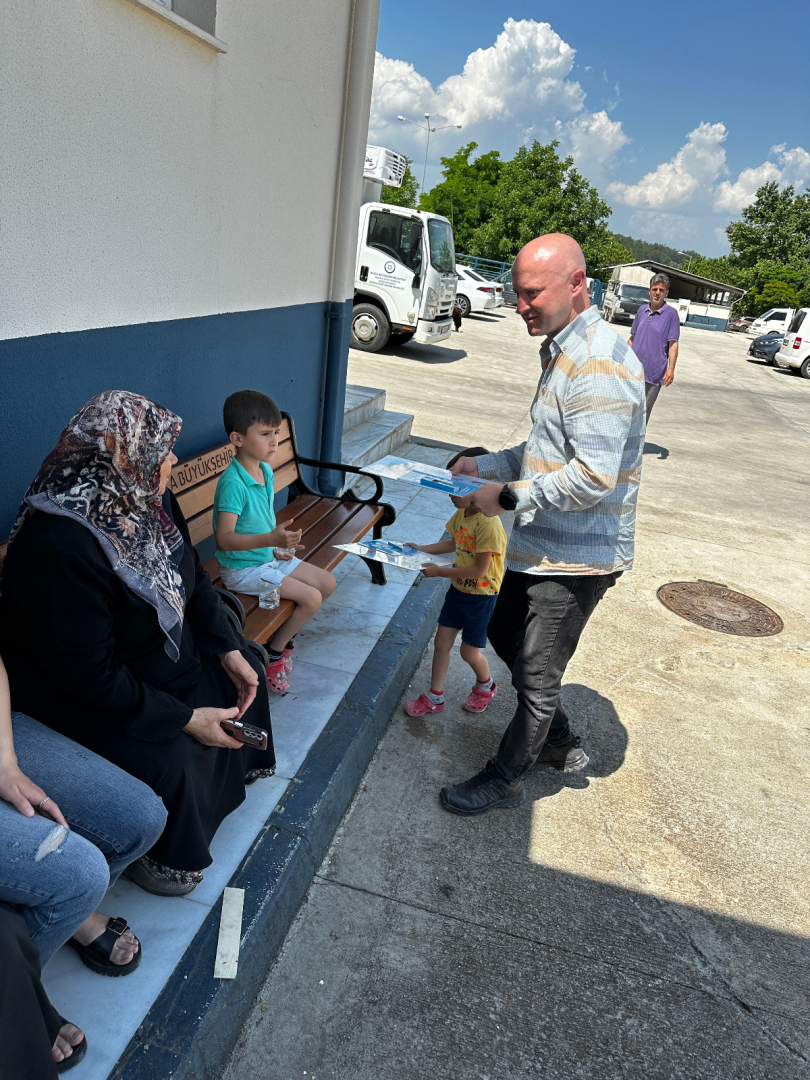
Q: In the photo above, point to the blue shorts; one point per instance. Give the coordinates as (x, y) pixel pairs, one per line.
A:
(468, 613)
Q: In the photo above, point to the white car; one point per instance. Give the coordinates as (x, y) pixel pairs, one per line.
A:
(474, 293)
(795, 349)
(772, 319)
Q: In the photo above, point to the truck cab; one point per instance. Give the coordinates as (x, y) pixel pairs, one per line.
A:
(623, 299)
(405, 276)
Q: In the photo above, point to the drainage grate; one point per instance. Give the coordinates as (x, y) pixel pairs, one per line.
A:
(715, 607)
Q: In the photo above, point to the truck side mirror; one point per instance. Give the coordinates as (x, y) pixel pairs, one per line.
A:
(417, 281)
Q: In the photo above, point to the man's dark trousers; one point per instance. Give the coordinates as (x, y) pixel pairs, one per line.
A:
(535, 629)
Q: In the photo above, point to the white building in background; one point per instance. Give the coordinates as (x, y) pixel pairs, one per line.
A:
(181, 183)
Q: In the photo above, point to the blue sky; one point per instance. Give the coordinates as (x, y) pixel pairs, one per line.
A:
(676, 113)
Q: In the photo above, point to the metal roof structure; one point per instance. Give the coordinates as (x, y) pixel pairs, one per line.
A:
(674, 271)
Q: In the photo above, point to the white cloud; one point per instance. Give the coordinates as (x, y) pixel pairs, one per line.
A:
(795, 169)
(513, 92)
(698, 163)
(521, 88)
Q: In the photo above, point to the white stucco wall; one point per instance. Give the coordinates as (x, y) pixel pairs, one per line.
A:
(147, 177)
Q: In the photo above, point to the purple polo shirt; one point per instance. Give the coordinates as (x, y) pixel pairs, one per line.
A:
(652, 332)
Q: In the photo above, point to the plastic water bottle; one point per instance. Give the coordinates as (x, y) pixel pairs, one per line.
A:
(271, 597)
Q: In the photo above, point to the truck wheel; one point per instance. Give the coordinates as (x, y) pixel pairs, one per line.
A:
(804, 368)
(463, 305)
(370, 328)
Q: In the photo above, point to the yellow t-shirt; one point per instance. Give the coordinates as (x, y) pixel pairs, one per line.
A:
(474, 535)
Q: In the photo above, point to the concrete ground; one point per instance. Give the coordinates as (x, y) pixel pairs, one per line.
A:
(647, 918)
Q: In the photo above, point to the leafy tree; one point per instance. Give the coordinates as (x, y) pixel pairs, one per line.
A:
(610, 253)
(466, 194)
(538, 193)
(774, 294)
(775, 226)
(405, 195)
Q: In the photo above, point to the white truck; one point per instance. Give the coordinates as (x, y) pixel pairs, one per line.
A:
(405, 274)
(772, 319)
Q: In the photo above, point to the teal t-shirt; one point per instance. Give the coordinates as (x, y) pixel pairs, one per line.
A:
(238, 493)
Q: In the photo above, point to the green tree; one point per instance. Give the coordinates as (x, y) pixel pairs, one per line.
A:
(609, 253)
(775, 226)
(538, 193)
(466, 194)
(774, 294)
(405, 195)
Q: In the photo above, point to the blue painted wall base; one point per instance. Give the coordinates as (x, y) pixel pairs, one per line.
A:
(188, 365)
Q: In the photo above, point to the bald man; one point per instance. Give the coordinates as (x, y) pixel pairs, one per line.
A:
(573, 486)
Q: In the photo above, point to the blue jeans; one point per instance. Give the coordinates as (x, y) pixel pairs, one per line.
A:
(58, 876)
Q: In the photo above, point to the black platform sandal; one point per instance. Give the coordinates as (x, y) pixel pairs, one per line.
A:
(77, 1055)
(97, 954)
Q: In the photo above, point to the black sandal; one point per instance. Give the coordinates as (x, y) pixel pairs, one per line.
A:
(97, 954)
(77, 1055)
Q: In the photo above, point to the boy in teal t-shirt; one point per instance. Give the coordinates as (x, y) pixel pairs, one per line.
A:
(252, 550)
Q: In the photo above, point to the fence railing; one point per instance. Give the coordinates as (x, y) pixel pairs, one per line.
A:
(487, 268)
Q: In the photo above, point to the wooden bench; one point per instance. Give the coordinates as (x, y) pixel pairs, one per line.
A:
(324, 522)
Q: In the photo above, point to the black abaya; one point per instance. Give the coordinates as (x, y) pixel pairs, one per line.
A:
(86, 656)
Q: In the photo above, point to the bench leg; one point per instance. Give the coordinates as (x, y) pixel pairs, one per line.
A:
(377, 571)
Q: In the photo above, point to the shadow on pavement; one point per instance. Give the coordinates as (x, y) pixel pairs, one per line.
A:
(654, 448)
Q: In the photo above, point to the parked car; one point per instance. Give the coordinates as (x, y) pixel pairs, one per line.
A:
(772, 319)
(473, 292)
(741, 323)
(795, 348)
(766, 345)
(509, 294)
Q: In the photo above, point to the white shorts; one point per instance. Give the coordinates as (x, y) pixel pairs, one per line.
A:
(253, 580)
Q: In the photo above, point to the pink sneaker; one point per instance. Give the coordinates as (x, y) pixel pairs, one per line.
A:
(421, 705)
(479, 699)
(287, 654)
(277, 677)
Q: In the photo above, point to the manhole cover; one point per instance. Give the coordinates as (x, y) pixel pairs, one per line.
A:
(715, 607)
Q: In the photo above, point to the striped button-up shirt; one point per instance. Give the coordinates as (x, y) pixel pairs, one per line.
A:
(576, 477)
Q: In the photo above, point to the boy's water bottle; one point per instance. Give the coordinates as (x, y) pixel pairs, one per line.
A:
(271, 597)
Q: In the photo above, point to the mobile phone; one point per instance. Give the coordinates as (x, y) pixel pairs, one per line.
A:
(255, 737)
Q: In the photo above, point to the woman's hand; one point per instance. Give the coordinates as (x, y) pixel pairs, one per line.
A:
(25, 796)
(243, 677)
(204, 726)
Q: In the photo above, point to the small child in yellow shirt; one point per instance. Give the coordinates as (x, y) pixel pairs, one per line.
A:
(479, 543)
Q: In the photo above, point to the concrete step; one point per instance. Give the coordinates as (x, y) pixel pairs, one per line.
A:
(362, 402)
(383, 434)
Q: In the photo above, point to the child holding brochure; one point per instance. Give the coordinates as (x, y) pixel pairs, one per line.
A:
(252, 551)
(479, 544)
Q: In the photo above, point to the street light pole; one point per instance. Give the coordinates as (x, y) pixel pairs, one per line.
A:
(428, 129)
(427, 147)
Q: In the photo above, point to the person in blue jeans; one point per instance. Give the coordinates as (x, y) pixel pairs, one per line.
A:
(70, 822)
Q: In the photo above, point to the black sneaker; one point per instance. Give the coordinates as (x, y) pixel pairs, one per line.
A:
(485, 791)
(568, 756)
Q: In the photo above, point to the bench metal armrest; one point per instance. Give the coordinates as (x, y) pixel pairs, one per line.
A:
(344, 468)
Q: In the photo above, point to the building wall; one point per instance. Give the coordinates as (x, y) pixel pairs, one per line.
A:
(169, 213)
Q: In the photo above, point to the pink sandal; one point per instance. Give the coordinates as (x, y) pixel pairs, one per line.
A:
(277, 677)
(421, 705)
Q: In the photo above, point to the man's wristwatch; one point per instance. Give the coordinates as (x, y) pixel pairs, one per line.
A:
(506, 499)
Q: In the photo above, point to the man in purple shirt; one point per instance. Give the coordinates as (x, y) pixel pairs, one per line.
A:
(654, 339)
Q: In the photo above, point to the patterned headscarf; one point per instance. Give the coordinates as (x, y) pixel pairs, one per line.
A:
(104, 473)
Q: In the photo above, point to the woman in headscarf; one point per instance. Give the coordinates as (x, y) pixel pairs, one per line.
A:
(113, 635)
